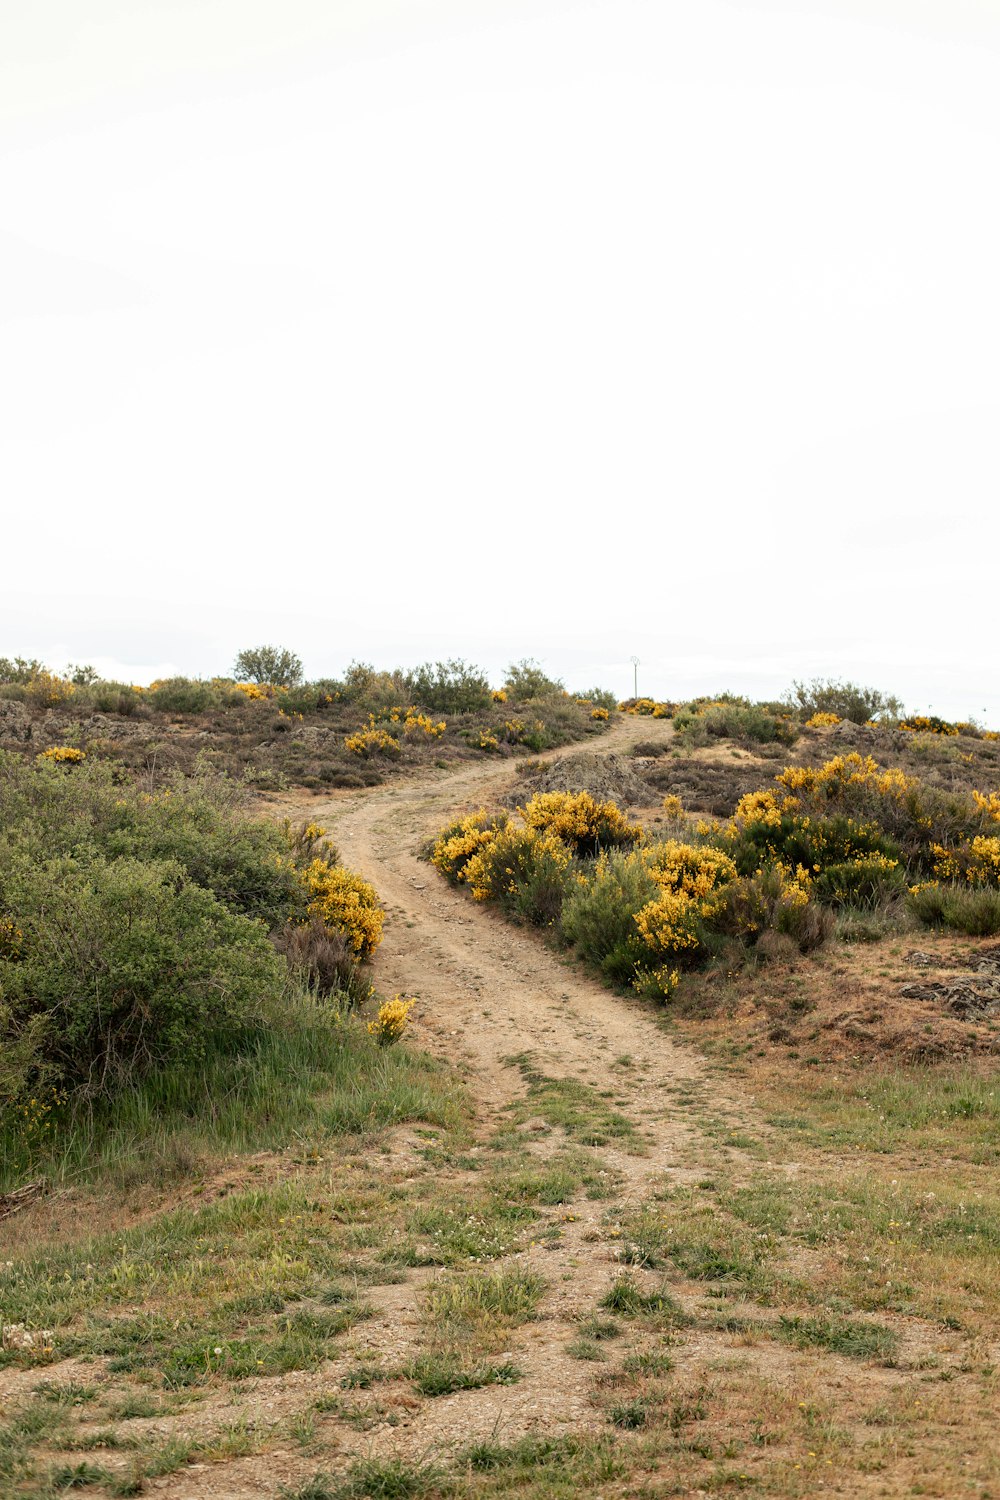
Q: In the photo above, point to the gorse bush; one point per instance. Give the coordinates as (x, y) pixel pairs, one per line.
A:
(648, 708)
(581, 821)
(523, 871)
(457, 843)
(347, 903)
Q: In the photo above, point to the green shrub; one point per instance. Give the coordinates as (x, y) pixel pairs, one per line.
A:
(526, 680)
(598, 916)
(372, 689)
(449, 687)
(181, 695)
(865, 882)
(123, 967)
(755, 723)
(116, 698)
(971, 909)
(599, 698)
(20, 670)
(764, 902)
(848, 700)
(200, 824)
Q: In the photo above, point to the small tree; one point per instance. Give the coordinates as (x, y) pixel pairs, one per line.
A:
(526, 679)
(269, 664)
(21, 670)
(449, 687)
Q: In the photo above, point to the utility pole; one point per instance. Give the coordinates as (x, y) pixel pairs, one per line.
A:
(635, 676)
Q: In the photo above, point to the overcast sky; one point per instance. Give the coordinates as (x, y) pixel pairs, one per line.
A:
(395, 329)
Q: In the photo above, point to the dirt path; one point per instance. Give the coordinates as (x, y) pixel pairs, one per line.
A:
(486, 989)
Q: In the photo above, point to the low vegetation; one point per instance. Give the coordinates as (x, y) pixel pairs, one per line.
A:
(150, 939)
(269, 727)
(847, 837)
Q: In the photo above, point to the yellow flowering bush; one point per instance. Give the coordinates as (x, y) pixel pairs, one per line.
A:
(647, 708)
(389, 1024)
(669, 924)
(416, 724)
(977, 863)
(581, 821)
(523, 870)
(45, 690)
(601, 714)
(931, 724)
(499, 695)
(845, 776)
(256, 691)
(823, 720)
(488, 741)
(989, 803)
(343, 900)
(63, 755)
(456, 844)
(690, 878)
(693, 869)
(371, 742)
(672, 806)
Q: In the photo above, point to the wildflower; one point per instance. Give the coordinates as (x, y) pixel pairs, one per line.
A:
(390, 1023)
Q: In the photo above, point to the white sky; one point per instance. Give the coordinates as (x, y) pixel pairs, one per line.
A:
(398, 329)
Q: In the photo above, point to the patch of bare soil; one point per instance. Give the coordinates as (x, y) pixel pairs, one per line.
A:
(611, 776)
(863, 1002)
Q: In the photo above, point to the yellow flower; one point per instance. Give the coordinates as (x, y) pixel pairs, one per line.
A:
(344, 901)
(63, 755)
(390, 1023)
